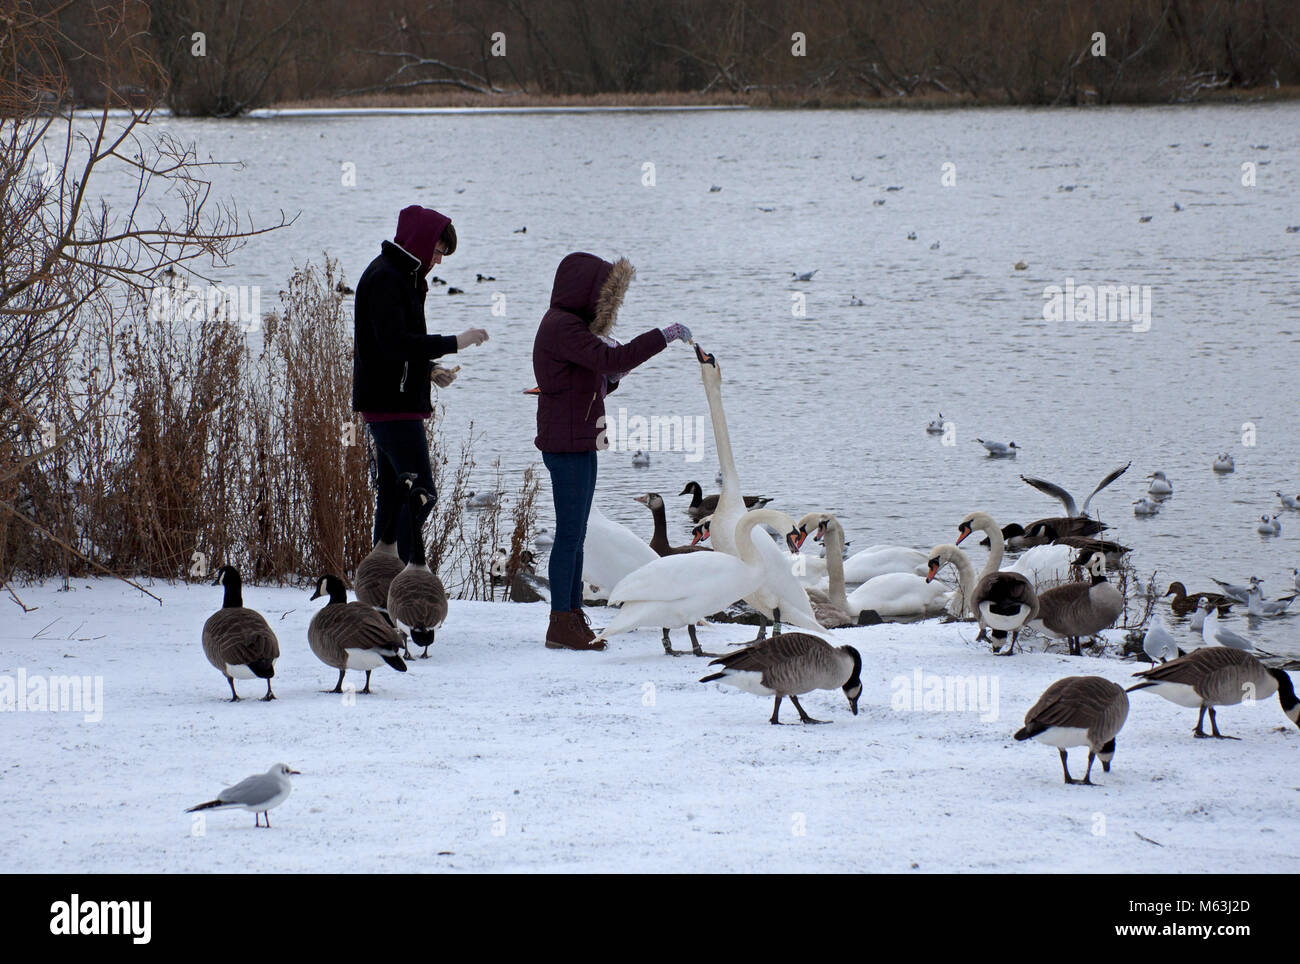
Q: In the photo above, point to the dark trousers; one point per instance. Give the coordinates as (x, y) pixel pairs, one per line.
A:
(573, 486)
(399, 447)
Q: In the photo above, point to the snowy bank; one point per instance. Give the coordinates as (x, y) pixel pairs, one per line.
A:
(499, 755)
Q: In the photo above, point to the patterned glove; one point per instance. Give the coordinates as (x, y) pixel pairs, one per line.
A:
(677, 331)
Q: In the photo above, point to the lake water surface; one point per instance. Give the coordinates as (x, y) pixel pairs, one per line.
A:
(828, 409)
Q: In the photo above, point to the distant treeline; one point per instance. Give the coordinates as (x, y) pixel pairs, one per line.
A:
(223, 57)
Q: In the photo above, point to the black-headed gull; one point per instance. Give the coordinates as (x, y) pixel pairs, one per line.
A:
(260, 794)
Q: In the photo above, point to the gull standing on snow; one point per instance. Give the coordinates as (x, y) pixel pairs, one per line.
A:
(1159, 643)
(261, 794)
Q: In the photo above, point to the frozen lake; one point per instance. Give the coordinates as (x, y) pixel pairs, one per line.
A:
(828, 410)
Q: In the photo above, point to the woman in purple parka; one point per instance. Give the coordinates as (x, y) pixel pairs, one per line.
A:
(577, 363)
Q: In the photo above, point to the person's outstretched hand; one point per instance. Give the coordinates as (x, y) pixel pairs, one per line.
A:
(677, 331)
(470, 336)
(442, 377)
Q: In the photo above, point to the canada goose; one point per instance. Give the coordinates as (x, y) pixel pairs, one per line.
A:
(525, 585)
(1215, 635)
(1079, 608)
(416, 596)
(1113, 551)
(1067, 500)
(1160, 485)
(376, 571)
(1145, 507)
(1158, 643)
(702, 505)
(1043, 532)
(1078, 711)
(1237, 592)
(1185, 602)
(640, 460)
(659, 542)
(1257, 605)
(1218, 676)
(455, 291)
(1000, 450)
(891, 594)
(1224, 464)
(1268, 526)
(1020, 266)
(1003, 601)
(936, 426)
(1288, 501)
(351, 635)
(680, 589)
(260, 793)
(790, 665)
(238, 641)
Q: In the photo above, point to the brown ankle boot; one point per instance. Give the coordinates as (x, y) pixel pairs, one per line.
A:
(584, 624)
(567, 631)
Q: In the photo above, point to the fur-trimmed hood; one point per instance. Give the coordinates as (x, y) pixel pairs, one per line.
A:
(592, 288)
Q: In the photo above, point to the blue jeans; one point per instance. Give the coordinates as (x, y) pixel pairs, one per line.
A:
(399, 447)
(573, 486)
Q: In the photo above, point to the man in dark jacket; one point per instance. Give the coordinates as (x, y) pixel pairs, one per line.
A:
(577, 363)
(393, 359)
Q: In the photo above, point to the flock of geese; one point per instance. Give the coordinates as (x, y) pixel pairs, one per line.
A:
(655, 584)
(361, 635)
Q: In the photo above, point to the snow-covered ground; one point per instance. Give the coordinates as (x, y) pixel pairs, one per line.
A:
(499, 755)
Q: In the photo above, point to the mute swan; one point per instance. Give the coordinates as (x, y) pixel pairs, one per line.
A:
(893, 594)
(611, 551)
(782, 591)
(678, 590)
(729, 508)
(1039, 564)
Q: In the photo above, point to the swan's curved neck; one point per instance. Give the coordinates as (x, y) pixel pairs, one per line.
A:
(721, 437)
(997, 547)
(966, 572)
(745, 547)
(834, 542)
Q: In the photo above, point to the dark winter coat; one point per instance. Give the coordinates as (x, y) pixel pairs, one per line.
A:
(573, 367)
(393, 350)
